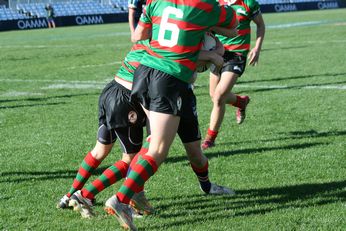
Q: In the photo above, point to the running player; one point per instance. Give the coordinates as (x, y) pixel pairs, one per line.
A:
(236, 52)
(161, 82)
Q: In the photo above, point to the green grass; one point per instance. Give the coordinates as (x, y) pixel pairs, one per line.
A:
(286, 162)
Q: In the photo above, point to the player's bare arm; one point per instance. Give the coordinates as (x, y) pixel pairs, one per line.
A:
(141, 33)
(132, 12)
(232, 32)
(253, 56)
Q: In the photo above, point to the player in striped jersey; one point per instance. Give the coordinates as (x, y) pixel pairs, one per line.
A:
(161, 82)
(237, 49)
(82, 200)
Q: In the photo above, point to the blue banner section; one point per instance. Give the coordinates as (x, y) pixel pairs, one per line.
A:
(287, 7)
(36, 23)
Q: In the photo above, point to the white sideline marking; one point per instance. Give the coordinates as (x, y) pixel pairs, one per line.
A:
(21, 93)
(77, 84)
(74, 86)
(94, 65)
(65, 46)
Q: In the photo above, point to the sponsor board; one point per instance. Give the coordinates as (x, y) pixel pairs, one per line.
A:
(32, 23)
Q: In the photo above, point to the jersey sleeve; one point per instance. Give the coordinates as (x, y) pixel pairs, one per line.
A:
(145, 20)
(228, 17)
(254, 8)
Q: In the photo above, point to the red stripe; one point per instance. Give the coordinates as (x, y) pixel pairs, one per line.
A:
(123, 198)
(177, 49)
(98, 184)
(123, 64)
(234, 19)
(77, 185)
(181, 24)
(112, 178)
(241, 18)
(145, 25)
(237, 47)
(223, 14)
(91, 161)
(187, 63)
(244, 32)
(131, 184)
(137, 47)
(84, 173)
(193, 3)
(134, 63)
(122, 166)
(140, 170)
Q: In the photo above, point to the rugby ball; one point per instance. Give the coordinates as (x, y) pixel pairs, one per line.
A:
(208, 44)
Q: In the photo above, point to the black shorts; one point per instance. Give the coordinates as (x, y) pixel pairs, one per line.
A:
(158, 91)
(130, 138)
(233, 62)
(116, 110)
(188, 129)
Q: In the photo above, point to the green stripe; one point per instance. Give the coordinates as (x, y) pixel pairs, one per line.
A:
(136, 177)
(146, 166)
(126, 191)
(92, 189)
(80, 178)
(86, 166)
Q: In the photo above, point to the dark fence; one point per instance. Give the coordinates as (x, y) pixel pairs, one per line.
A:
(36, 23)
(288, 7)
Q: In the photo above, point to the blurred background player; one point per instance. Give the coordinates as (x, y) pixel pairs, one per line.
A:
(135, 10)
(50, 16)
(236, 52)
(161, 82)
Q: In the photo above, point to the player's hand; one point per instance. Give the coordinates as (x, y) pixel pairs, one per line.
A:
(253, 57)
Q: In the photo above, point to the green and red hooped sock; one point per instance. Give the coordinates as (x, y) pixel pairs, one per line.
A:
(111, 175)
(144, 168)
(89, 164)
(240, 102)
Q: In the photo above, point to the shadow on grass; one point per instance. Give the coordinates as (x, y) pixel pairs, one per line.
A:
(192, 209)
(22, 176)
(291, 136)
(36, 99)
(291, 87)
(291, 78)
(31, 105)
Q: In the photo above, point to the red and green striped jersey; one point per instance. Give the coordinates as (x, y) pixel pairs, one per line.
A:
(246, 10)
(178, 28)
(131, 61)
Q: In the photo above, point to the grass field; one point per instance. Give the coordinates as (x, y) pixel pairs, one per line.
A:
(287, 162)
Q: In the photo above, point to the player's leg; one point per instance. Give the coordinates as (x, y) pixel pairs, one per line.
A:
(220, 97)
(130, 139)
(90, 162)
(190, 136)
(164, 105)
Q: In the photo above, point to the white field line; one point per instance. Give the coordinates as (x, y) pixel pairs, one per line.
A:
(94, 65)
(38, 46)
(78, 84)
